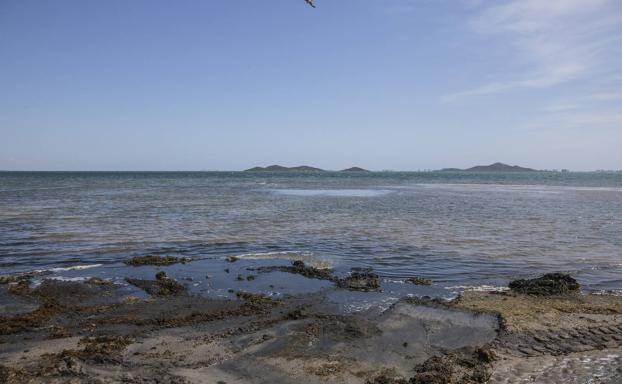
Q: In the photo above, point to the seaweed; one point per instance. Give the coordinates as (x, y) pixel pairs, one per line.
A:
(161, 286)
(547, 285)
(156, 260)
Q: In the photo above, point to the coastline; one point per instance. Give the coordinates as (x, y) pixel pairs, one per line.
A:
(94, 331)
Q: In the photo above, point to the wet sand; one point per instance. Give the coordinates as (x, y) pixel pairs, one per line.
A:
(92, 331)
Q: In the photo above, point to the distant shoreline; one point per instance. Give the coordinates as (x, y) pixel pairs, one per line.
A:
(445, 170)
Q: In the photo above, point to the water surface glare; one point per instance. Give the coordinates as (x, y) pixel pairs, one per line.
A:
(333, 192)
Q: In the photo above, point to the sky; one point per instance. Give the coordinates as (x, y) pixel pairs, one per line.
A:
(385, 85)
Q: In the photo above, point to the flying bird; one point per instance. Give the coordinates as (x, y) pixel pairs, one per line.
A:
(310, 2)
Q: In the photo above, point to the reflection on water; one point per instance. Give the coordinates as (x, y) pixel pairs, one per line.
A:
(458, 229)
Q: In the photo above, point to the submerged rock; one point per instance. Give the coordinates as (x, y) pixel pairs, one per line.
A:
(97, 281)
(547, 285)
(156, 260)
(418, 281)
(300, 268)
(360, 280)
(161, 275)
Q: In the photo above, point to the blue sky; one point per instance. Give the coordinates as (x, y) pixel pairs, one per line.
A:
(391, 84)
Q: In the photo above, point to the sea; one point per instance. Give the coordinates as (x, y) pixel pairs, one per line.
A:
(462, 230)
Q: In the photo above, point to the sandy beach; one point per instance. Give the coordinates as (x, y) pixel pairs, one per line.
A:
(91, 331)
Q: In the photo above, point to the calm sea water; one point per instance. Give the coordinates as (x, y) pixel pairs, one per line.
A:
(459, 229)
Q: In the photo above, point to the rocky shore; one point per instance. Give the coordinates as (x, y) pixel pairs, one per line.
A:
(540, 331)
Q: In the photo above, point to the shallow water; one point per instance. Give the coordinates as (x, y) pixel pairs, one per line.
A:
(459, 229)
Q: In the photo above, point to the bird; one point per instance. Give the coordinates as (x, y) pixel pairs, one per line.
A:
(310, 2)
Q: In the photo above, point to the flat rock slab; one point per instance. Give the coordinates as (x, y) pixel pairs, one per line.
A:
(442, 328)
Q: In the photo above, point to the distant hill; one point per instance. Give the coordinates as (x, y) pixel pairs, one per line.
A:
(280, 168)
(354, 169)
(452, 170)
(496, 167)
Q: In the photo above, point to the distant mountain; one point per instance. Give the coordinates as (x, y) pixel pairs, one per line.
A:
(496, 167)
(354, 169)
(280, 168)
(452, 170)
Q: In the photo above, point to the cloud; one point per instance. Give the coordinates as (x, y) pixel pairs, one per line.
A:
(554, 41)
(606, 96)
(585, 102)
(560, 107)
(596, 120)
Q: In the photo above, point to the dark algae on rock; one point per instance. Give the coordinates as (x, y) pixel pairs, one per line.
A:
(418, 281)
(54, 298)
(156, 260)
(461, 367)
(465, 366)
(547, 285)
(161, 286)
(7, 279)
(360, 279)
(10, 375)
(300, 268)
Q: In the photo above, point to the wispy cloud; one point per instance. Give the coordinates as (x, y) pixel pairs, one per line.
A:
(588, 101)
(561, 107)
(554, 41)
(606, 96)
